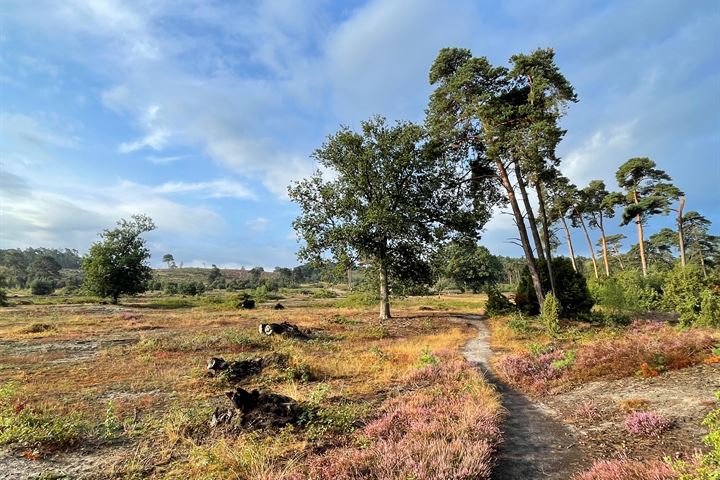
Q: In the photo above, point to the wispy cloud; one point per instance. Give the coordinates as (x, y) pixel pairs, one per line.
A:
(213, 189)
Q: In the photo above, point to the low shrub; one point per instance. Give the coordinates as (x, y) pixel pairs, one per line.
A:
(37, 427)
(519, 323)
(626, 469)
(41, 287)
(550, 315)
(646, 424)
(533, 373)
(447, 427)
(497, 303)
(645, 348)
(570, 286)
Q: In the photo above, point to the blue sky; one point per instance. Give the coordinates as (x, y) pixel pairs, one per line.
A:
(200, 113)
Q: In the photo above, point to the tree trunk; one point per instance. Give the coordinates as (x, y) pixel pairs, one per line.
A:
(384, 296)
(681, 239)
(592, 251)
(617, 254)
(349, 275)
(114, 299)
(529, 213)
(702, 263)
(546, 235)
(524, 240)
(604, 247)
(569, 242)
(641, 241)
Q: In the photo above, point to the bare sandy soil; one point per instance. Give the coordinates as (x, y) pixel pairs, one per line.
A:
(682, 396)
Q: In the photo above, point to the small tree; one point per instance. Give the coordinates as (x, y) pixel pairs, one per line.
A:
(647, 193)
(613, 243)
(45, 268)
(169, 259)
(393, 198)
(117, 264)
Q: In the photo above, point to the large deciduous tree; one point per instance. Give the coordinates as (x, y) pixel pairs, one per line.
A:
(117, 264)
(391, 198)
(647, 192)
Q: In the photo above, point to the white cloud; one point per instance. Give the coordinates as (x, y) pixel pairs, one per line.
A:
(33, 214)
(600, 154)
(258, 224)
(165, 160)
(212, 189)
(27, 132)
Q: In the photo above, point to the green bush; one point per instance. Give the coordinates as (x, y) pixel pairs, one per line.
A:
(709, 309)
(519, 323)
(191, 288)
(41, 287)
(497, 303)
(3, 298)
(550, 314)
(571, 288)
(682, 293)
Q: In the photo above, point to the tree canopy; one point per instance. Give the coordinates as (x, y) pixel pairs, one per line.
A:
(391, 197)
(117, 264)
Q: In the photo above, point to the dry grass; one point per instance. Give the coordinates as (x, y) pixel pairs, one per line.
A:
(141, 370)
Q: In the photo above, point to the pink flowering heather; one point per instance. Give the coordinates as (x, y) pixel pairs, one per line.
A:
(647, 424)
(587, 411)
(626, 469)
(529, 372)
(447, 427)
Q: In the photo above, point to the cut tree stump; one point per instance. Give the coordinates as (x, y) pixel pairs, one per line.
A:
(257, 410)
(238, 370)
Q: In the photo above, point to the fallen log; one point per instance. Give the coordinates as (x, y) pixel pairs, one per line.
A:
(284, 328)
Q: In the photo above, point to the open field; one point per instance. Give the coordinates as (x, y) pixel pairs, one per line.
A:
(122, 391)
(92, 390)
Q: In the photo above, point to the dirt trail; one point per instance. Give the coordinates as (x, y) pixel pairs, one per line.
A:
(536, 445)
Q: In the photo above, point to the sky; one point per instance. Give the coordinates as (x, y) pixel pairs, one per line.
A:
(200, 113)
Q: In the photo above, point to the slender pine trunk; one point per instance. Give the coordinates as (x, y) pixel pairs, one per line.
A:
(641, 240)
(569, 242)
(617, 254)
(524, 240)
(702, 263)
(592, 251)
(546, 235)
(681, 238)
(529, 212)
(604, 247)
